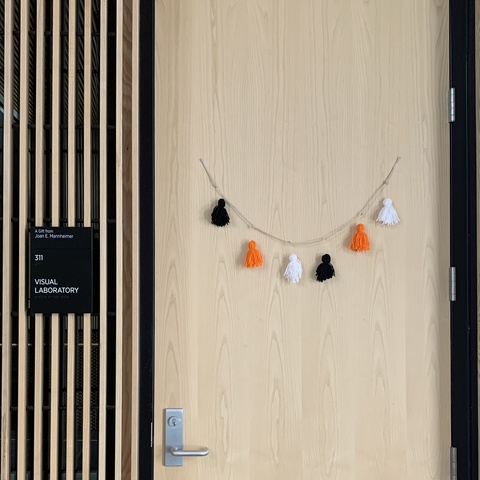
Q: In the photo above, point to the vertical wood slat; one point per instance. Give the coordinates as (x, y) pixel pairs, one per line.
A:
(71, 152)
(124, 255)
(102, 434)
(119, 241)
(127, 215)
(55, 201)
(87, 324)
(7, 244)
(135, 238)
(22, 225)
(39, 209)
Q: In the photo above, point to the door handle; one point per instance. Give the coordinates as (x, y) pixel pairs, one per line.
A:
(173, 440)
(196, 452)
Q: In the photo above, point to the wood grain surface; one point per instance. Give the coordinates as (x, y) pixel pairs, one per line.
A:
(103, 317)
(299, 109)
(55, 420)
(119, 239)
(24, 164)
(135, 248)
(39, 426)
(88, 400)
(71, 182)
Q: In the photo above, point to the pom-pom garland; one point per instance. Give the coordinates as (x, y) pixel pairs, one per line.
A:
(388, 215)
(325, 270)
(220, 216)
(254, 257)
(293, 272)
(360, 241)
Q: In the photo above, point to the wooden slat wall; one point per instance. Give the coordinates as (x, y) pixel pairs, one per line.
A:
(58, 406)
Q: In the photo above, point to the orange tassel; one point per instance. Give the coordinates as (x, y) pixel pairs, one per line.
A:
(360, 242)
(254, 257)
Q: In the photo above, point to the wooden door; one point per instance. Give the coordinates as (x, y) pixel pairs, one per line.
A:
(299, 109)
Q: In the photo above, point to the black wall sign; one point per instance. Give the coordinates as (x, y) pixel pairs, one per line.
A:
(61, 270)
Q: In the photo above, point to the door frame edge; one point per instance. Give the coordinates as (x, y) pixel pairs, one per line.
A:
(146, 314)
(463, 240)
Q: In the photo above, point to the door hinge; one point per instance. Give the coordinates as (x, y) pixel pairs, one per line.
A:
(452, 284)
(151, 434)
(453, 463)
(451, 105)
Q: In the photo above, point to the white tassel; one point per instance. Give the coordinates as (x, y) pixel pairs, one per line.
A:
(293, 272)
(388, 215)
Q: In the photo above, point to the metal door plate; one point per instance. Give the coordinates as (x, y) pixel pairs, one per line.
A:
(173, 424)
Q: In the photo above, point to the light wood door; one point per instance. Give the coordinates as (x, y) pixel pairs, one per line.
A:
(299, 109)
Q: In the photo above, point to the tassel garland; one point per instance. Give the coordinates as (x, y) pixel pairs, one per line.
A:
(360, 241)
(388, 215)
(220, 216)
(325, 270)
(254, 257)
(293, 272)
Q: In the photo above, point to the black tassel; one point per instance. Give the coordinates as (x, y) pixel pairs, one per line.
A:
(325, 270)
(220, 216)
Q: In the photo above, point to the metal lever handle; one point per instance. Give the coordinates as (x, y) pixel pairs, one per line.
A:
(196, 452)
(174, 451)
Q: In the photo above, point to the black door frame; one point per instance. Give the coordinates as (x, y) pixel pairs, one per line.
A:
(463, 238)
(147, 236)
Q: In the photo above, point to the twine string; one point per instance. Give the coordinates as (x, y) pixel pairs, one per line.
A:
(313, 241)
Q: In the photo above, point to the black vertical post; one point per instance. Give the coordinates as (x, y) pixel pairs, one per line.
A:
(463, 238)
(146, 235)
